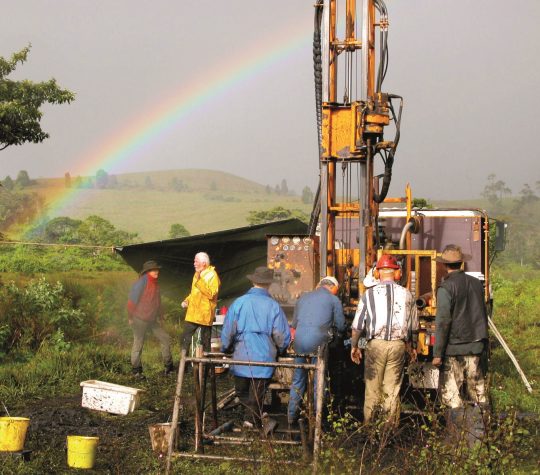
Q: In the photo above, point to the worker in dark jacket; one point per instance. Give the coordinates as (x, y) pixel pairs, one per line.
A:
(256, 329)
(144, 314)
(318, 318)
(461, 331)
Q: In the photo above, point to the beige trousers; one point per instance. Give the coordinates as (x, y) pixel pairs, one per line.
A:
(383, 373)
(455, 371)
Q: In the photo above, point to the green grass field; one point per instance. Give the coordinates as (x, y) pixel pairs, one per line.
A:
(214, 201)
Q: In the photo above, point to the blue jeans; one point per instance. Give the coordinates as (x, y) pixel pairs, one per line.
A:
(298, 388)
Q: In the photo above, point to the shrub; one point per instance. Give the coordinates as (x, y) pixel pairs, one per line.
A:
(32, 314)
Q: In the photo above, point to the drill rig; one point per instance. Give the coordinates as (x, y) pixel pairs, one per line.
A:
(351, 60)
(353, 219)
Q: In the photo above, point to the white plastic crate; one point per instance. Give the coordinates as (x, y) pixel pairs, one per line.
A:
(108, 397)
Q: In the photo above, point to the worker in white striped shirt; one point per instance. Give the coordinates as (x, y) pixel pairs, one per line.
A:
(387, 314)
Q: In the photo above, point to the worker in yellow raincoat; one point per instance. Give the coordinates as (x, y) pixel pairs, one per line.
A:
(201, 302)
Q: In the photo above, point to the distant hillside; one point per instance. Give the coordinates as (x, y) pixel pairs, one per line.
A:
(148, 203)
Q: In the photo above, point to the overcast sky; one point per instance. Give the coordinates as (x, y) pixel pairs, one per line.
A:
(469, 72)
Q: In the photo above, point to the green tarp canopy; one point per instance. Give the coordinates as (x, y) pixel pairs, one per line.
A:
(234, 253)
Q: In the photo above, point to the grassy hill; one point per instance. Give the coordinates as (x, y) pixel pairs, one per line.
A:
(147, 203)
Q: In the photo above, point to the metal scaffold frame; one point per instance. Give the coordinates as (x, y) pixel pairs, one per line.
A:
(204, 361)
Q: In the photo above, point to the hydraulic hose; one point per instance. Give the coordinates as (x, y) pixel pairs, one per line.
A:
(408, 227)
(387, 176)
(317, 70)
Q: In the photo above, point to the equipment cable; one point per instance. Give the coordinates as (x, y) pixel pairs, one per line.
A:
(317, 70)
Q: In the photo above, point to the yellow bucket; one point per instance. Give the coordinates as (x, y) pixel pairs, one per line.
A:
(81, 451)
(12, 433)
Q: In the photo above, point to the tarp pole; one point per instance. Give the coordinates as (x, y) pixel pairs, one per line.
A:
(510, 354)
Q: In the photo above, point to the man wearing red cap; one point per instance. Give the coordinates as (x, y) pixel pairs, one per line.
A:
(387, 313)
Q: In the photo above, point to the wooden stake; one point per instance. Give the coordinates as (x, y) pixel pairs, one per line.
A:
(198, 409)
(176, 409)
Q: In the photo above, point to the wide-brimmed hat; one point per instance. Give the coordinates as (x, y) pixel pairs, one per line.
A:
(150, 265)
(262, 275)
(452, 254)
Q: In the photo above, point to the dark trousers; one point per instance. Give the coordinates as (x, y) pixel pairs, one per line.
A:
(189, 329)
(251, 392)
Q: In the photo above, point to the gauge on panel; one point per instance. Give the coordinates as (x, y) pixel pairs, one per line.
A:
(296, 240)
(274, 240)
(285, 240)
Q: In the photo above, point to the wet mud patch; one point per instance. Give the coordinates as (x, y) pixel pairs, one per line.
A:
(124, 441)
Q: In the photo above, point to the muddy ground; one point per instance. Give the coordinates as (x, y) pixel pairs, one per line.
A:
(124, 440)
(125, 448)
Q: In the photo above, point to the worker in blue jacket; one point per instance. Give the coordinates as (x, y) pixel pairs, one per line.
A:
(318, 319)
(255, 329)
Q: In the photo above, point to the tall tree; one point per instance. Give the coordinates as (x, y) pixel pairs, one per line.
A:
(307, 195)
(102, 179)
(495, 190)
(284, 188)
(23, 179)
(8, 183)
(21, 101)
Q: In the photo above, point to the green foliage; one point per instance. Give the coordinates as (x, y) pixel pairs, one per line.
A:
(29, 315)
(178, 231)
(177, 184)
(23, 179)
(284, 189)
(494, 191)
(21, 101)
(276, 214)
(93, 231)
(421, 203)
(97, 231)
(516, 314)
(8, 183)
(18, 208)
(102, 179)
(29, 260)
(62, 230)
(307, 195)
(523, 232)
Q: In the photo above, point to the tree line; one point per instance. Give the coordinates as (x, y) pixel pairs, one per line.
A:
(522, 215)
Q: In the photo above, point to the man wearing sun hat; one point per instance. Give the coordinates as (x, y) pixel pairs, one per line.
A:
(461, 331)
(145, 313)
(318, 315)
(255, 329)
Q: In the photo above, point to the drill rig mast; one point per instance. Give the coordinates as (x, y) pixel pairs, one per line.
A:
(352, 114)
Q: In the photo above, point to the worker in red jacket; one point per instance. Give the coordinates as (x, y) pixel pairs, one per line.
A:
(144, 314)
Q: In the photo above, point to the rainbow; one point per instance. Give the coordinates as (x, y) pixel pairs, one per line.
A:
(174, 109)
